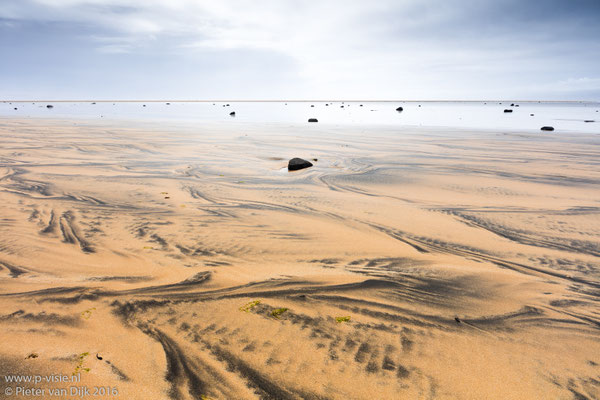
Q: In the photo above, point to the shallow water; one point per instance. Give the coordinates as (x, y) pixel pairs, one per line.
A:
(564, 117)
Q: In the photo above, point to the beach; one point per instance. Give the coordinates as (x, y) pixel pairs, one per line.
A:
(182, 260)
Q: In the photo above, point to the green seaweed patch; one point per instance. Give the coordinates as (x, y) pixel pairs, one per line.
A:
(277, 312)
(88, 313)
(79, 367)
(339, 320)
(249, 306)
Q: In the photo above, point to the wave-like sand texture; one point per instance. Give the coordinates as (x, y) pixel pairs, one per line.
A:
(468, 262)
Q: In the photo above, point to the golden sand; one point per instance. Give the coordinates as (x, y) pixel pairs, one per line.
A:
(187, 263)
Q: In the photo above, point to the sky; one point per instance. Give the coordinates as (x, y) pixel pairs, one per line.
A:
(298, 49)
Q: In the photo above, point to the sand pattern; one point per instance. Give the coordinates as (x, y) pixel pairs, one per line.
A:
(186, 262)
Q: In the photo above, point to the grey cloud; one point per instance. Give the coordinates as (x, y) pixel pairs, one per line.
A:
(249, 49)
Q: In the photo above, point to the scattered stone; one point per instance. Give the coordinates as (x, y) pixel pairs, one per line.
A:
(313, 120)
(98, 357)
(16, 108)
(297, 163)
(341, 106)
(49, 106)
(315, 159)
(589, 120)
(507, 111)
(168, 104)
(547, 128)
(312, 105)
(361, 105)
(458, 321)
(517, 105)
(399, 109)
(32, 355)
(531, 115)
(143, 105)
(232, 113)
(512, 104)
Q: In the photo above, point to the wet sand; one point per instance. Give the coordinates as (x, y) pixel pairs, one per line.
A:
(468, 263)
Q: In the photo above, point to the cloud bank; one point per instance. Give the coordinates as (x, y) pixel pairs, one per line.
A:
(386, 49)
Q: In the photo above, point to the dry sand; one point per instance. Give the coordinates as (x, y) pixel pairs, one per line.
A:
(139, 243)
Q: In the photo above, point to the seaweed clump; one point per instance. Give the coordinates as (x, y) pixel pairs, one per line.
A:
(277, 312)
(79, 367)
(249, 306)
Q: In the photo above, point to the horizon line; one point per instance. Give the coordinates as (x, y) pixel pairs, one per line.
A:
(288, 101)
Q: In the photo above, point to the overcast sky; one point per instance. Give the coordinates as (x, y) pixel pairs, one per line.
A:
(295, 49)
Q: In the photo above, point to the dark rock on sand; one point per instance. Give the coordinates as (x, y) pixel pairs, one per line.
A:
(531, 115)
(547, 128)
(399, 109)
(297, 163)
(589, 120)
(312, 105)
(457, 320)
(512, 104)
(232, 113)
(49, 106)
(16, 108)
(507, 111)
(313, 120)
